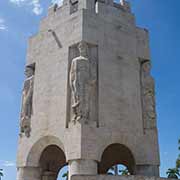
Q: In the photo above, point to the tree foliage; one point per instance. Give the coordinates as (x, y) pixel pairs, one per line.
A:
(175, 172)
(124, 172)
(1, 173)
(178, 163)
(65, 175)
(178, 159)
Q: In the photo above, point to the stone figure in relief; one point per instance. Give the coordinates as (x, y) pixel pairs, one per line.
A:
(80, 82)
(27, 97)
(148, 95)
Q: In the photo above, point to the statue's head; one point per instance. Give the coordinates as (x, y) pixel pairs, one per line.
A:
(29, 71)
(25, 126)
(27, 130)
(83, 49)
(146, 66)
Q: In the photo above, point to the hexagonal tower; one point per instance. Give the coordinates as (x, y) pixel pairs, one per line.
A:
(88, 98)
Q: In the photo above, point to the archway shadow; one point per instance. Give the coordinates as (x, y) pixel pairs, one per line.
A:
(116, 154)
(51, 161)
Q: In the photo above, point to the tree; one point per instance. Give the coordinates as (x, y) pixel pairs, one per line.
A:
(1, 173)
(178, 159)
(178, 163)
(173, 173)
(124, 172)
(65, 175)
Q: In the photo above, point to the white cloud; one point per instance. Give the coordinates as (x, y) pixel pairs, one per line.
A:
(3, 27)
(37, 8)
(18, 2)
(59, 2)
(7, 163)
(35, 4)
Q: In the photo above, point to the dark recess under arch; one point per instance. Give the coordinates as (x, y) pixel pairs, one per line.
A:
(116, 154)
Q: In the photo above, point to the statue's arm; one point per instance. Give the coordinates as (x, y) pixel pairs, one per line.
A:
(72, 80)
(23, 100)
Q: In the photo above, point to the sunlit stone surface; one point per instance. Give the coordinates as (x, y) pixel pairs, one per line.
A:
(93, 99)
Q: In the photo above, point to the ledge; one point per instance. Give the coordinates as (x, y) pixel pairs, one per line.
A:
(110, 177)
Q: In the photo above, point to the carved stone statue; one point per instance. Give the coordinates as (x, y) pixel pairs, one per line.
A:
(27, 97)
(148, 95)
(80, 83)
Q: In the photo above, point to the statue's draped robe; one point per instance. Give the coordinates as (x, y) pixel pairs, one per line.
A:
(148, 100)
(26, 110)
(79, 84)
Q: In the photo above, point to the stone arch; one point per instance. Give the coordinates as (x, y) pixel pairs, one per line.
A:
(51, 161)
(116, 154)
(132, 142)
(37, 149)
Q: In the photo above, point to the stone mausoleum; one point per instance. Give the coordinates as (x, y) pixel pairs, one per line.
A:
(88, 99)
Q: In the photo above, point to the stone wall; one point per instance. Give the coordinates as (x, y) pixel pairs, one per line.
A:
(119, 46)
(110, 177)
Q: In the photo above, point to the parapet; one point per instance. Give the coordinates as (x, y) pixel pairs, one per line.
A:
(92, 5)
(105, 9)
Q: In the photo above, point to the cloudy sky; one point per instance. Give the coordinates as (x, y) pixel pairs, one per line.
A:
(19, 20)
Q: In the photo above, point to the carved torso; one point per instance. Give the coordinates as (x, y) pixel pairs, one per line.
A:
(80, 71)
(148, 94)
(148, 100)
(79, 83)
(27, 98)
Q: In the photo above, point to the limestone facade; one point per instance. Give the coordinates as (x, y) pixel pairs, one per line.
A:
(111, 117)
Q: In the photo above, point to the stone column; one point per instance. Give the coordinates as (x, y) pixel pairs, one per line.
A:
(147, 170)
(28, 173)
(82, 167)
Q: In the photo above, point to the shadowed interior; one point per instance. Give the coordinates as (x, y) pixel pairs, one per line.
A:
(116, 154)
(52, 160)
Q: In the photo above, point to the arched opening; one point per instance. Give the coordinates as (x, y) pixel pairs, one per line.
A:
(115, 155)
(52, 160)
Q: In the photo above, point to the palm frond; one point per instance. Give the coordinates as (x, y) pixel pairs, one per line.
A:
(124, 172)
(178, 163)
(173, 173)
(65, 175)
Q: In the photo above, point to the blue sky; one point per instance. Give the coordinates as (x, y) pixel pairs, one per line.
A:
(19, 19)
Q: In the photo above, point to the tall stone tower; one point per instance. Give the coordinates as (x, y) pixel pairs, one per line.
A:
(88, 97)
